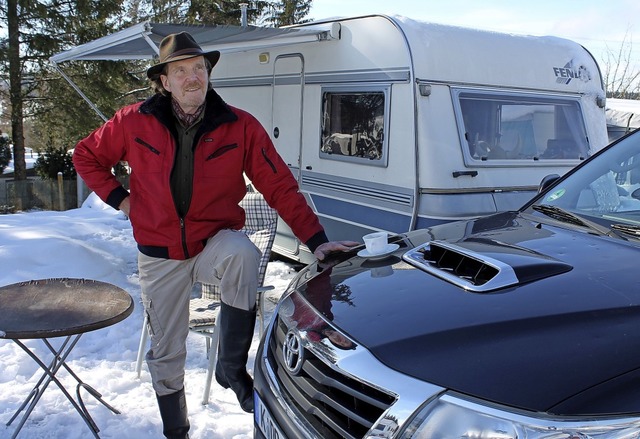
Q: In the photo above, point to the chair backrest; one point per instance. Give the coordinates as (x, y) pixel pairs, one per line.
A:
(260, 226)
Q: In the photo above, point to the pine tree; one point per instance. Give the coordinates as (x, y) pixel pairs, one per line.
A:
(36, 30)
(288, 12)
(5, 152)
(274, 13)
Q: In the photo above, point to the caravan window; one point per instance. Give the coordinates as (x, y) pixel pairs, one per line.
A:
(532, 129)
(353, 125)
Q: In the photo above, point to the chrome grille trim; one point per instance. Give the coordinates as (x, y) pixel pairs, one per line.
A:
(333, 399)
(462, 267)
(353, 373)
(322, 379)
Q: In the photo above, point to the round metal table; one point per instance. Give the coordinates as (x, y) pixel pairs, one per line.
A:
(60, 307)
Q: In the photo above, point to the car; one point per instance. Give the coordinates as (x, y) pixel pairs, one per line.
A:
(519, 324)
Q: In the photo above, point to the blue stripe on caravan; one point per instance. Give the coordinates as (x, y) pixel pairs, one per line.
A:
(366, 215)
(424, 223)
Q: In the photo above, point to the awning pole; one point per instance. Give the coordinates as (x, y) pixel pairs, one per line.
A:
(151, 43)
(75, 87)
(80, 184)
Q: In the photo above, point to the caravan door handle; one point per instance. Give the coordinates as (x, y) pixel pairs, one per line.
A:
(308, 168)
(457, 174)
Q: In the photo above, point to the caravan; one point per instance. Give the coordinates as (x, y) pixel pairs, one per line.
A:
(394, 124)
(623, 116)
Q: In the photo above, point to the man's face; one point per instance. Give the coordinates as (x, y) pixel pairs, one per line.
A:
(187, 80)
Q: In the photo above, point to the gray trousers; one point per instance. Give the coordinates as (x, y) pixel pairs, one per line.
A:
(229, 260)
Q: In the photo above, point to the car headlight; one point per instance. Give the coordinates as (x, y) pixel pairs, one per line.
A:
(453, 417)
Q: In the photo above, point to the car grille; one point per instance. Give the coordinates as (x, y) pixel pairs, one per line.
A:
(336, 405)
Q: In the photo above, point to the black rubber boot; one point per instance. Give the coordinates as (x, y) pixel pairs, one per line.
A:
(173, 411)
(236, 328)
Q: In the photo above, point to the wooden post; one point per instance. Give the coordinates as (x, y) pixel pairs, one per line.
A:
(60, 191)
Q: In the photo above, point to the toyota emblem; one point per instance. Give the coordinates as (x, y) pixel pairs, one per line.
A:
(293, 352)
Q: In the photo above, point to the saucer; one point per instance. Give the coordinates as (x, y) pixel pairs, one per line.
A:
(364, 253)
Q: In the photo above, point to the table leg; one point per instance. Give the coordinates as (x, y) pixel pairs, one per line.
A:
(81, 384)
(50, 371)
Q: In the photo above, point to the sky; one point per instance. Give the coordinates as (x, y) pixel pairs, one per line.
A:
(602, 26)
(96, 242)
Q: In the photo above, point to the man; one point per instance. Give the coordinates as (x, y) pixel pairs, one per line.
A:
(188, 150)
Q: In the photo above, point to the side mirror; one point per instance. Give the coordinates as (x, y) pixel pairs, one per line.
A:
(547, 181)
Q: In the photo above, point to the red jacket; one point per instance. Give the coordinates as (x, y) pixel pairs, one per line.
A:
(229, 142)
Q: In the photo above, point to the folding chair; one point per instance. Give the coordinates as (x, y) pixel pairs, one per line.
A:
(260, 227)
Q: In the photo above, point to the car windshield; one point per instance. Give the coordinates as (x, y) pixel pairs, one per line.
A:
(605, 191)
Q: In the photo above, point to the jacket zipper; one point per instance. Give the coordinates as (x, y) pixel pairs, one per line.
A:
(269, 162)
(221, 151)
(183, 235)
(146, 145)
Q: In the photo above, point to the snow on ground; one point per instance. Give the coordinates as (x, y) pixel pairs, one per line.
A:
(95, 242)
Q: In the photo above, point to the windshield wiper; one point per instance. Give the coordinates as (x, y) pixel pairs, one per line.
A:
(627, 229)
(565, 216)
(560, 214)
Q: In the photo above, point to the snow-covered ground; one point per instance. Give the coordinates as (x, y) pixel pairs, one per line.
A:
(95, 242)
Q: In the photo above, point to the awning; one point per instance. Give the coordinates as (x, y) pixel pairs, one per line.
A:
(141, 41)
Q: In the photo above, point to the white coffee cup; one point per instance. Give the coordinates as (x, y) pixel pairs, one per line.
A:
(384, 271)
(376, 243)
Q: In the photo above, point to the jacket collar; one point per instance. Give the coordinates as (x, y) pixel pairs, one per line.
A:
(216, 111)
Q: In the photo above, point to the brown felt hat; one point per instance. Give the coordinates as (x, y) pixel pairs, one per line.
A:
(176, 47)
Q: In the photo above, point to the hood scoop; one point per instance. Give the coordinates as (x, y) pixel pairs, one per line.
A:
(482, 265)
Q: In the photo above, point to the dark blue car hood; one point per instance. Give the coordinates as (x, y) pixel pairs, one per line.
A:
(564, 339)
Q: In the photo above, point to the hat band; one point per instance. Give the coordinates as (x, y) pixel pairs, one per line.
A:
(183, 52)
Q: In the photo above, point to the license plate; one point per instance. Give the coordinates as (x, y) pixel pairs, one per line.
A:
(264, 421)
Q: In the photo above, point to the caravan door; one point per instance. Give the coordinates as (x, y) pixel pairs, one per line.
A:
(286, 129)
(286, 109)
